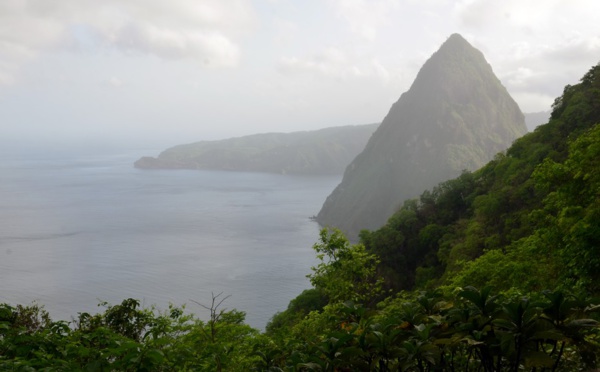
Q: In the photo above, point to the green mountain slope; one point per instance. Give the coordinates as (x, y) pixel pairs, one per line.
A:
(528, 220)
(524, 229)
(325, 151)
(456, 116)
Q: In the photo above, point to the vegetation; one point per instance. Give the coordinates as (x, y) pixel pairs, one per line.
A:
(126, 338)
(527, 220)
(496, 270)
(325, 151)
(463, 330)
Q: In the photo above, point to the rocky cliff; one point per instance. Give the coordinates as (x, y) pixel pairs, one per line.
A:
(455, 116)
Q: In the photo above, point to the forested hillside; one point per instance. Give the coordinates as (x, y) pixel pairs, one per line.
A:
(324, 151)
(526, 220)
(496, 270)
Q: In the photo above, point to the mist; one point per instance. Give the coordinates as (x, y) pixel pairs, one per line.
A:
(120, 72)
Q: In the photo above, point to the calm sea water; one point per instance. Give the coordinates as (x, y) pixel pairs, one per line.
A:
(79, 227)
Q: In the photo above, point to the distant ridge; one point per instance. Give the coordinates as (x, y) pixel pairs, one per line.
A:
(534, 119)
(324, 151)
(455, 116)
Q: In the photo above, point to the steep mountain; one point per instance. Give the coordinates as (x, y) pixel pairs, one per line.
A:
(325, 151)
(455, 116)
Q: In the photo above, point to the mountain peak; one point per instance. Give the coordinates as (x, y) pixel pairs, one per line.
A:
(456, 38)
(455, 64)
(456, 45)
(455, 116)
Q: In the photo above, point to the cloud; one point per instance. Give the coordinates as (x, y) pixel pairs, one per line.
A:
(333, 63)
(115, 82)
(212, 48)
(207, 31)
(541, 47)
(519, 76)
(330, 62)
(523, 15)
(5, 78)
(574, 48)
(532, 70)
(284, 31)
(365, 17)
(533, 102)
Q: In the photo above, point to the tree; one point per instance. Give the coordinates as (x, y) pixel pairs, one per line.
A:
(346, 272)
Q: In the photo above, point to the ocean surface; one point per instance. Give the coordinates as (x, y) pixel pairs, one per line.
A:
(80, 226)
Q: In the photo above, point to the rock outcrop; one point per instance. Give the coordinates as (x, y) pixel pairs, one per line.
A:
(456, 116)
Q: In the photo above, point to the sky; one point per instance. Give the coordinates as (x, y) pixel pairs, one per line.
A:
(181, 71)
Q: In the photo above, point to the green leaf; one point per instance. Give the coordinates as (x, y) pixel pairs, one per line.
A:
(578, 323)
(156, 356)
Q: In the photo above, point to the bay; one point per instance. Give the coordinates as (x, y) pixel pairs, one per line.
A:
(79, 226)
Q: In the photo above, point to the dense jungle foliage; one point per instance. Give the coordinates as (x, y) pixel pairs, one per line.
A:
(496, 270)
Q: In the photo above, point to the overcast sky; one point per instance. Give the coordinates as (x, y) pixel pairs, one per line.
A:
(186, 70)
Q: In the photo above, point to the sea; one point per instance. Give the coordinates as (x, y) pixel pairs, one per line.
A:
(80, 226)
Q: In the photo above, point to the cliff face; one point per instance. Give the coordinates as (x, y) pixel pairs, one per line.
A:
(455, 116)
(325, 151)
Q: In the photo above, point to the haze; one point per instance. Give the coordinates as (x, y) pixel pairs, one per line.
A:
(181, 71)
